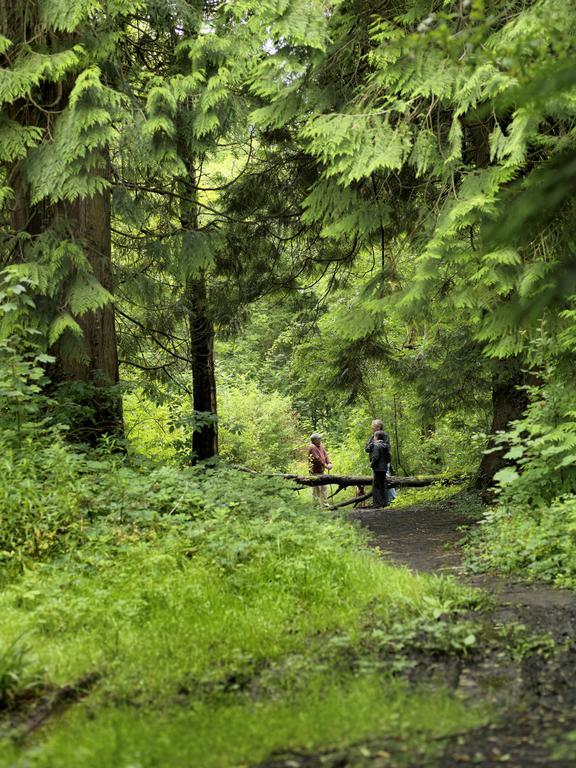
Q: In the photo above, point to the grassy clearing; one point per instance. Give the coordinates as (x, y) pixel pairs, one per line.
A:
(191, 620)
(224, 625)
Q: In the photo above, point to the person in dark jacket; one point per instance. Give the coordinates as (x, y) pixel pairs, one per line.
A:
(379, 460)
(378, 426)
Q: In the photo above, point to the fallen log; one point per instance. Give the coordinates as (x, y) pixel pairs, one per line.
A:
(345, 481)
(394, 481)
(356, 500)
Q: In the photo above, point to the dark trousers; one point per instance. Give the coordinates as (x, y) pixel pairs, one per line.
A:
(380, 489)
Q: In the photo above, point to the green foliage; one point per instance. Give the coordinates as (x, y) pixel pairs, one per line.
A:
(441, 496)
(531, 531)
(40, 499)
(354, 146)
(16, 139)
(16, 672)
(73, 164)
(61, 112)
(403, 183)
(458, 94)
(65, 288)
(342, 211)
(148, 425)
(536, 544)
(65, 16)
(33, 68)
(220, 586)
(257, 429)
(22, 359)
(542, 445)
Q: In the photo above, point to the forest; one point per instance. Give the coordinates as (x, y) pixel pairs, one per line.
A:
(230, 229)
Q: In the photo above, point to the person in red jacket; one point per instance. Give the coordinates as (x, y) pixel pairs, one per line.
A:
(318, 463)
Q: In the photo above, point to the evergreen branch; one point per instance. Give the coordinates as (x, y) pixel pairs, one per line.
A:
(141, 367)
(133, 320)
(192, 200)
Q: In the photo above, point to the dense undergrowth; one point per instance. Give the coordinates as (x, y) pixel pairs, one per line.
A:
(531, 529)
(222, 617)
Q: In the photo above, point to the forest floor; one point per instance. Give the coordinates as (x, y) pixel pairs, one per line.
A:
(266, 636)
(530, 681)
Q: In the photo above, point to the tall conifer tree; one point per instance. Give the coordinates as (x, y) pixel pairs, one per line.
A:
(56, 126)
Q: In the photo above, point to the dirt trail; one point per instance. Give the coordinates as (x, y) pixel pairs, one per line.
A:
(414, 537)
(538, 701)
(427, 538)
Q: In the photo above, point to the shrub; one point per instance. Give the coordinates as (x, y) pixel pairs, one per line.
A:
(259, 429)
(532, 530)
(148, 425)
(16, 672)
(256, 429)
(21, 360)
(41, 495)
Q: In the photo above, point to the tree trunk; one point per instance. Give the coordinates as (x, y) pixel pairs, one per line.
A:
(100, 407)
(397, 462)
(509, 401)
(345, 481)
(205, 435)
(89, 218)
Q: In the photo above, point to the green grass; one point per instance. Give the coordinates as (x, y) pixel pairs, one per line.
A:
(155, 609)
(430, 494)
(224, 630)
(217, 735)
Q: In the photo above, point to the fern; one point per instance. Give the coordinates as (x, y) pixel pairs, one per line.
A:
(66, 15)
(16, 139)
(61, 324)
